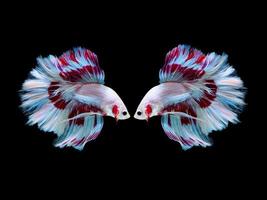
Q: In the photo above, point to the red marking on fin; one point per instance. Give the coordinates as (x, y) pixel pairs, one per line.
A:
(76, 75)
(56, 98)
(182, 107)
(187, 73)
(86, 54)
(190, 55)
(172, 137)
(171, 55)
(91, 56)
(72, 56)
(207, 98)
(185, 141)
(63, 61)
(79, 109)
(185, 120)
(92, 137)
(78, 142)
(200, 59)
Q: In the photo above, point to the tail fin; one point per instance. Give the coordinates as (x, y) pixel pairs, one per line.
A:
(43, 101)
(47, 96)
(217, 93)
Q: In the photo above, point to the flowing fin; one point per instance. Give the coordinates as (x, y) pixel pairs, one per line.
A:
(215, 117)
(78, 135)
(49, 96)
(183, 64)
(80, 65)
(216, 95)
(44, 104)
(188, 135)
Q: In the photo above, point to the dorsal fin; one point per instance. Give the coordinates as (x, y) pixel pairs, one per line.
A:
(184, 63)
(77, 65)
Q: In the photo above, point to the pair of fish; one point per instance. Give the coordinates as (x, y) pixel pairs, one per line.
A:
(197, 94)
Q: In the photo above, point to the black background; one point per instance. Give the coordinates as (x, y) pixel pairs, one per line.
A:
(131, 42)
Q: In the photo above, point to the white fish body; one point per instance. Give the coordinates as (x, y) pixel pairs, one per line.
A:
(66, 95)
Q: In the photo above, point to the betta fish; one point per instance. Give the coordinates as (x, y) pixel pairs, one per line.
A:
(66, 95)
(197, 94)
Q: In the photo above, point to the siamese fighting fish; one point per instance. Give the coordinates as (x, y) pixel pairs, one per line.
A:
(66, 95)
(197, 94)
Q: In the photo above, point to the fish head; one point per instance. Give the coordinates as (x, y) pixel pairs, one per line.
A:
(119, 111)
(113, 105)
(147, 109)
(150, 104)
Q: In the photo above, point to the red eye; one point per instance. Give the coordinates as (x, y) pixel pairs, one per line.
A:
(148, 110)
(115, 110)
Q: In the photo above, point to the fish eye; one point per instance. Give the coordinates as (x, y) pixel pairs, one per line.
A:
(139, 113)
(124, 113)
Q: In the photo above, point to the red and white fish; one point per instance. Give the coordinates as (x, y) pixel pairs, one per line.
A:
(66, 95)
(197, 94)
